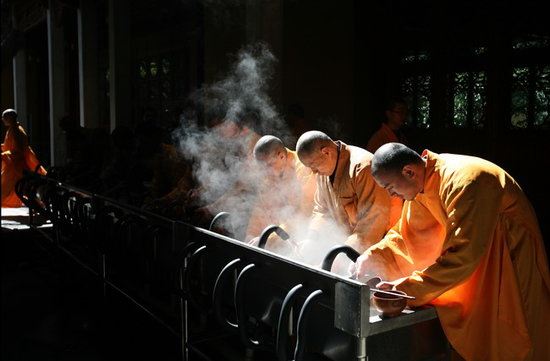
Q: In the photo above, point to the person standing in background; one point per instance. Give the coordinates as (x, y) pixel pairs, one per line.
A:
(396, 111)
(17, 156)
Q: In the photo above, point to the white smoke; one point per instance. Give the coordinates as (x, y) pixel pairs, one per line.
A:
(223, 165)
(240, 104)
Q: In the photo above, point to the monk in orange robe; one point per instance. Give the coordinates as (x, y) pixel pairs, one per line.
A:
(17, 156)
(346, 191)
(468, 242)
(285, 195)
(390, 130)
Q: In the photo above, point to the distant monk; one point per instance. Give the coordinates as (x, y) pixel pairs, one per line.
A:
(396, 111)
(390, 130)
(17, 156)
(346, 191)
(230, 157)
(285, 194)
(469, 243)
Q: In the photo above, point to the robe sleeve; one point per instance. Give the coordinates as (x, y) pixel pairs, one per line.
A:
(320, 211)
(383, 256)
(373, 211)
(472, 209)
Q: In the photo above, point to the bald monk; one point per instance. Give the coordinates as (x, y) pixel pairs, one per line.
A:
(285, 196)
(346, 192)
(17, 156)
(469, 243)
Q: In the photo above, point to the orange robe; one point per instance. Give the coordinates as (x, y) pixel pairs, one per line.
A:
(382, 136)
(17, 156)
(353, 201)
(285, 201)
(470, 244)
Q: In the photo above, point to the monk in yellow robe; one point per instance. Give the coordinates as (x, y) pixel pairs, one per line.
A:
(468, 242)
(17, 156)
(346, 191)
(285, 195)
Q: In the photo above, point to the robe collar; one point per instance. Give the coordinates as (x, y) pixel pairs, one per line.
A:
(431, 176)
(342, 164)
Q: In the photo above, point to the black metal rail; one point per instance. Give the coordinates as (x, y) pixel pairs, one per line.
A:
(167, 267)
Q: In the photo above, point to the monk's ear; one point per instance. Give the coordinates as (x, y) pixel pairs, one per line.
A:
(408, 172)
(325, 150)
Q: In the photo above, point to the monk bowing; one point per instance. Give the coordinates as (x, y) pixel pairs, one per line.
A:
(285, 191)
(468, 242)
(346, 194)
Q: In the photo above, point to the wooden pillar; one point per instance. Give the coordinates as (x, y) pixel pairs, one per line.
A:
(56, 72)
(20, 87)
(87, 63)
(120, 67)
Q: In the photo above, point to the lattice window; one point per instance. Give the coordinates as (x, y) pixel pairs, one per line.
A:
(416, 88)
(468, 99)
(530, 95)
(161, 86)
(530, 103)
(416, 91)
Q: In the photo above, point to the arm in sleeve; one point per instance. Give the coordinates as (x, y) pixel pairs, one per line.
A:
(381, 259)
(472, 211)
(373, 212)
(320, 211)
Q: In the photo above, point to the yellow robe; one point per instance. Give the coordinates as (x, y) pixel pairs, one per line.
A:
(287, 201)
(17, 156)
(354, 201)
(470, 244)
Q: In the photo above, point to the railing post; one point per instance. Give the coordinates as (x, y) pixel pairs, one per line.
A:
(361, 353)
(183, 316)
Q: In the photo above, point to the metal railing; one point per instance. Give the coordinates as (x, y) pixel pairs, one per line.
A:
(270, 303)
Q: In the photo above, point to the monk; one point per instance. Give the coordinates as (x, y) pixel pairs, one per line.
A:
(17, 156)
(468, 242)
(396, 111)
(285, 195)
(346, 191)
(390, 130)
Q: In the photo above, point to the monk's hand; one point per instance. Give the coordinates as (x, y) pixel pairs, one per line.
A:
(359, 269)
(386, 286)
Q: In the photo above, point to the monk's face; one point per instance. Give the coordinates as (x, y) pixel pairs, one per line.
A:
(275, 165)
(405, 184)
(396, 116)
(7, 121)
(321, 162)
(227, 129)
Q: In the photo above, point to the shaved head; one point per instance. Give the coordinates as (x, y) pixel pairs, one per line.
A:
(392, 157)
(311, 142)
(9, 113)
(268, 146)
